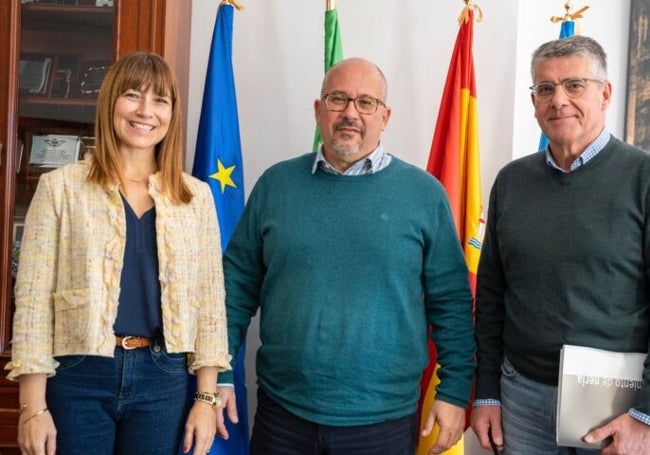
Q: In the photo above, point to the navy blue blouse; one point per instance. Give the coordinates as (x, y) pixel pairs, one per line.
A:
(139, 313)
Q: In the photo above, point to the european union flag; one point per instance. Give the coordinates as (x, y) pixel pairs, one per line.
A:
(218, 161)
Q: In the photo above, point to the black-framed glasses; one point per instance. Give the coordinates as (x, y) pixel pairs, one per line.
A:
(364, 104)
(573, 87)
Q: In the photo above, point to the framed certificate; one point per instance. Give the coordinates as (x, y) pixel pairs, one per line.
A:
(54, 150)
(49, 148)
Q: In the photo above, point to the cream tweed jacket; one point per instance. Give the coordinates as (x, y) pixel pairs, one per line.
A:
(71, 258)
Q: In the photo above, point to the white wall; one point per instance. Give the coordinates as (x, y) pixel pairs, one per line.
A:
(278, 63)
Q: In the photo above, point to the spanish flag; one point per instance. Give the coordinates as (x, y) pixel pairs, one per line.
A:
(454, 160)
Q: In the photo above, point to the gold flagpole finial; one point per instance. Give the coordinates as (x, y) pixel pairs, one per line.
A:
(330, 5)
(233, 3)
(568, 15)
(464, 14)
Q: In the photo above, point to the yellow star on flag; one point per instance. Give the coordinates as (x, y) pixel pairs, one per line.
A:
(223, 175)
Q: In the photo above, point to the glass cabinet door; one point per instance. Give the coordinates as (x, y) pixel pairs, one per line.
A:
(66, 47)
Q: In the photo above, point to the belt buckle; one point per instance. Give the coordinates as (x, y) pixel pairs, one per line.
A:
(124, 343)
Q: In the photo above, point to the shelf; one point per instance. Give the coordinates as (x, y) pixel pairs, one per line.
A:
(68, 112)
(65, 15)
(80, 110)
(26, 101)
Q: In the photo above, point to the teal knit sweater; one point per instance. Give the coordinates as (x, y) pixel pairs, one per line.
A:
(346, 272)
(565, 261)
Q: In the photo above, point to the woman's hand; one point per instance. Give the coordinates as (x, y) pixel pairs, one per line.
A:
(36, 432)
(201, 424)
(200, 428)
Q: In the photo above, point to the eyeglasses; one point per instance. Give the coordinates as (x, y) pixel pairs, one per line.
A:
(573, 87)
(364, 104)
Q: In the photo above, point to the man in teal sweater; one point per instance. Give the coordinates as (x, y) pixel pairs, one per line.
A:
(349, 254)
(565, 260)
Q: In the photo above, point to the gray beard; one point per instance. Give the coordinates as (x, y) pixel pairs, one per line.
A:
(342, 150)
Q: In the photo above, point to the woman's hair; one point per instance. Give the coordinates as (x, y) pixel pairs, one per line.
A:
(139, 71)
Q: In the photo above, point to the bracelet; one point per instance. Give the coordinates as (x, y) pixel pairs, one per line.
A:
(34, 415)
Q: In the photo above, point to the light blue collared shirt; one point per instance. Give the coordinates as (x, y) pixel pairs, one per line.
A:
(372, 163)
(591, 151)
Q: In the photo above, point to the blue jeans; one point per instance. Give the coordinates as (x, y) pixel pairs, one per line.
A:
(528, 416)
(277, 431)
(134, 403)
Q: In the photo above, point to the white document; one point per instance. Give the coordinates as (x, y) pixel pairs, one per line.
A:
(594, 387)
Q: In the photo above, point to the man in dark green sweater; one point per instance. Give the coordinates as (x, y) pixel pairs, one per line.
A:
(565, 260)
(349, 254)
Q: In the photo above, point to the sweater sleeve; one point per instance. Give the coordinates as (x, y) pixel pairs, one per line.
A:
(243, 273)
(448, 301)
(490, 310)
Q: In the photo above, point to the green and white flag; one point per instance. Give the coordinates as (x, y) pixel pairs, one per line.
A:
(333, 49)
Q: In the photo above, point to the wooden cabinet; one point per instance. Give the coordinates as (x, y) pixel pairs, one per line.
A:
(52, 55)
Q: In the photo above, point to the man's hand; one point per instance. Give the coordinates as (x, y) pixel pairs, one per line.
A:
(486, 423)
(629, 436)
(229, 405)
(451, 421)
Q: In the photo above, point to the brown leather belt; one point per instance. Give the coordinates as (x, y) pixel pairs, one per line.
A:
(132, 342)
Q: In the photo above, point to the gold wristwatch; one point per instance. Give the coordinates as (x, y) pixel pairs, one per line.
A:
(213, 399)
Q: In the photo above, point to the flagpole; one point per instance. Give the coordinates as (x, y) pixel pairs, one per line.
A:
(330, 5)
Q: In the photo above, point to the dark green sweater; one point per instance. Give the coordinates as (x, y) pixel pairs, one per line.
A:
(565, 261)
(338, 266)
